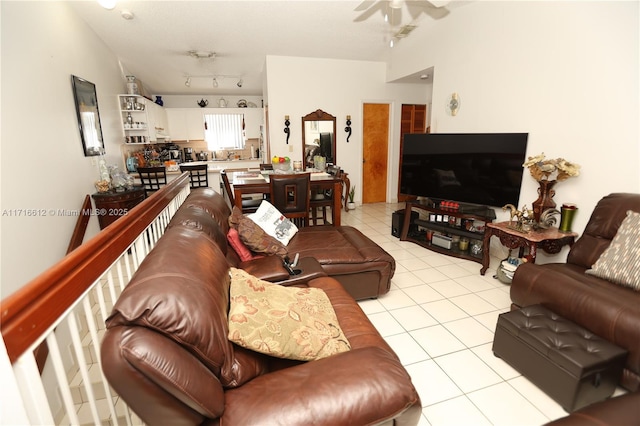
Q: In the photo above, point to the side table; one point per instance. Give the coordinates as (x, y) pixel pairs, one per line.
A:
(111, 205)
(550, 240)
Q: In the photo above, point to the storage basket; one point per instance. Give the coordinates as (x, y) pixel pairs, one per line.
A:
(507, 268)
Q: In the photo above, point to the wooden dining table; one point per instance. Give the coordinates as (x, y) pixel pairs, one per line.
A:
(255, 182)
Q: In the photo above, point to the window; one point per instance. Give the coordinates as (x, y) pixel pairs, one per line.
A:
(224, 131)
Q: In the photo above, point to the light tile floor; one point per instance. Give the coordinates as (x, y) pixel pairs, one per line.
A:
(439, 317)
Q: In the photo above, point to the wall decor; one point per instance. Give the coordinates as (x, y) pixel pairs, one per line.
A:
(86, 100)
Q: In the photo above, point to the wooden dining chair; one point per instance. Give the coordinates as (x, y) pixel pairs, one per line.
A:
(290, 194)
(321, 200)
(152, 178)
(249, 204)
(198, 174)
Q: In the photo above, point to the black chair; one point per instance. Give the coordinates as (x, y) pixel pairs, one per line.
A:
(249, 204)
(152, 178)
(323, 199)
(290, 194)
(198, 174)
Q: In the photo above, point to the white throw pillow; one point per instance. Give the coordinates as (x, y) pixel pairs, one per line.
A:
(273, 222)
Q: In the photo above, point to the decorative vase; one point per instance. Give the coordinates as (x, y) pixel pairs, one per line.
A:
(545, 198)
(159, 100)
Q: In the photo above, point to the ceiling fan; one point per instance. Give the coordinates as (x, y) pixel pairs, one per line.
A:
(391, 10)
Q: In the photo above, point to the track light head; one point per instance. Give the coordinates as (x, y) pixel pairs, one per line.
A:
(188, 82)
(215, 82)
(240, 83)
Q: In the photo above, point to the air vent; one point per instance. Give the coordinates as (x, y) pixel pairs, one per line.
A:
(404, 31)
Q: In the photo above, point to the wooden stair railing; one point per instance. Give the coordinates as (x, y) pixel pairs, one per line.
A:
(28, 313)
(42, 351)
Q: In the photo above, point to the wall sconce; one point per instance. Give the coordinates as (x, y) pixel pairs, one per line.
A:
(348, 128)
(286, 127)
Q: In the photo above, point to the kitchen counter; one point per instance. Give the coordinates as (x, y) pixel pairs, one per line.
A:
(216, 165)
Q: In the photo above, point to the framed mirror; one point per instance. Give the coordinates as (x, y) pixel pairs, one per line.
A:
(318, 137)
(84, 94)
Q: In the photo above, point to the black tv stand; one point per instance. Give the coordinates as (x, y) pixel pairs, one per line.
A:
(462, 214)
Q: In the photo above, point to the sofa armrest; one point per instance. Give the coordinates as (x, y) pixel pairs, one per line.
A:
(306, 270)
(140, 365)
(268, 268)
(366, 386)
(620, 410)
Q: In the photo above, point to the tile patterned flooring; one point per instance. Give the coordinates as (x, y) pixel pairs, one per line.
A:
(439, 317)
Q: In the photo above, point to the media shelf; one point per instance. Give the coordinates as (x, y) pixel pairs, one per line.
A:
(469, 222)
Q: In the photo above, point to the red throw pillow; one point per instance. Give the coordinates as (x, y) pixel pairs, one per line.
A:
(238, 246)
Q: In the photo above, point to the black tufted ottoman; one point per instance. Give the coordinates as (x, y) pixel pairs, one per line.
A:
(570, 364)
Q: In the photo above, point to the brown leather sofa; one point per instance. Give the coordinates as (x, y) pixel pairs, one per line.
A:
(360, 265)
(166, 352)
(606, 309)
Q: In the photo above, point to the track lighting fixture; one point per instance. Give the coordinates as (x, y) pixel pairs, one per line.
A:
(240, 83)
(188, 82)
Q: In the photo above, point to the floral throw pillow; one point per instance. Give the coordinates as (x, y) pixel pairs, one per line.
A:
(253, 236)
(283, 322)
(620, 262)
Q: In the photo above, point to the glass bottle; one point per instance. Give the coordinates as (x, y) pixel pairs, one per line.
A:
(132, 86)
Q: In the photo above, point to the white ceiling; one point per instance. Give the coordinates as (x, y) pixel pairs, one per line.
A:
(153, 45)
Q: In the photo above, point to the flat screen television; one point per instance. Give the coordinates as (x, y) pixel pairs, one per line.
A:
(325, 146)
(476, 168)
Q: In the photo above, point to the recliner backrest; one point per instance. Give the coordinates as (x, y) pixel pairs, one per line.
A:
(602, 227)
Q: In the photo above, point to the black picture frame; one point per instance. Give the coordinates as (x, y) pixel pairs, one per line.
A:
(88, 114)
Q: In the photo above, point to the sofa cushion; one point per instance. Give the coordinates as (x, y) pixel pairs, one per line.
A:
(284, 322)
(197, 219)
(253, 236)
(186, 297)
(212, 202)
(620, 262)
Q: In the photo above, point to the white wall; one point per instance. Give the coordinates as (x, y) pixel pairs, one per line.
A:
(299, 86)
(43, 166)
(565, 72)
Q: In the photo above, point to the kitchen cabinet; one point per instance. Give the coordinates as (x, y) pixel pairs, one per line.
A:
(187, 124)
(143, 121)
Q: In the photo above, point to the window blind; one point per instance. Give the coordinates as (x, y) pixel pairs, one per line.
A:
(224, 131)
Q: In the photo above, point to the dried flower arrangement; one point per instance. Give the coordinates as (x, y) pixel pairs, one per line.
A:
(543, 169)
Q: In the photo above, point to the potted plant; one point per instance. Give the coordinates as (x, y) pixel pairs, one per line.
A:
(352, 193)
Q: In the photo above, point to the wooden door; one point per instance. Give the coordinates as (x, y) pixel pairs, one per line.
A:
(413, 120)
(375, 146)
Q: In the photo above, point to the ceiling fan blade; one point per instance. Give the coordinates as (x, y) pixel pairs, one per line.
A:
(436, 12)
(378, 7)
(366, 4)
